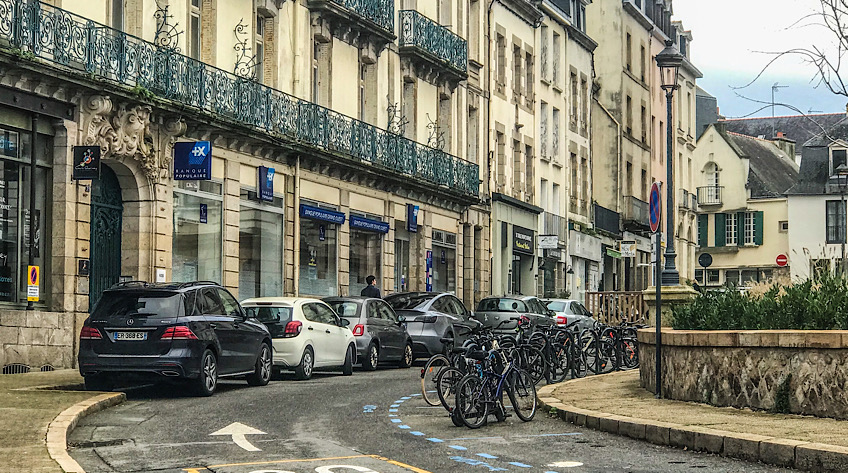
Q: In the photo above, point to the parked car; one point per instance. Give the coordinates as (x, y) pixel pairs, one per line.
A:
(431, 316)
(568, 311)
(194, 331)
(493, 311)
(380, 335)
(307, 334)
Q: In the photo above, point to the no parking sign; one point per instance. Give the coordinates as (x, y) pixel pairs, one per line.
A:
(655, 207)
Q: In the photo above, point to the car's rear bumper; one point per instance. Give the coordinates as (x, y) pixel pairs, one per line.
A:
(178, 363)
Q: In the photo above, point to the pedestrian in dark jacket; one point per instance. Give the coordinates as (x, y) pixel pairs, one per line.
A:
(371, 289)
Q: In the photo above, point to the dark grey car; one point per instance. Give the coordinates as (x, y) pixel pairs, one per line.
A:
(493, 311)
(380, 335)
(431, 316)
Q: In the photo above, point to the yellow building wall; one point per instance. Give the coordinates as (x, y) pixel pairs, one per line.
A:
(775, 242)
(345, 79)
(229, 14)
(95, 10)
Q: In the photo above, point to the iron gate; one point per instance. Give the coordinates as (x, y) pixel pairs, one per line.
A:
(107, 210)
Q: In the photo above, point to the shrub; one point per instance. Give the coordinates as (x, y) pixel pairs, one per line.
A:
(814, 304)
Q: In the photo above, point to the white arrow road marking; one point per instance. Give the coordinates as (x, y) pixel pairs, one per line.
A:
(238, 431)
(566, 464)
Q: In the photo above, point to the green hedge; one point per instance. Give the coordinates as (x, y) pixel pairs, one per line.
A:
(815, 304)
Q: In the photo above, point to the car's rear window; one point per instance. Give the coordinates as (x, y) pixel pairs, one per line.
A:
(126, 304)
(496, 304)
(270, 315)
(345, 308)
(408, 301)
(556, 306)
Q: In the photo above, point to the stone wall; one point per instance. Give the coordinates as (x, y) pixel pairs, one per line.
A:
(37, 339)
(805, 370)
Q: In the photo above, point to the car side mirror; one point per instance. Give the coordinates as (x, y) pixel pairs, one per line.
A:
(344, 322)
(401, 319)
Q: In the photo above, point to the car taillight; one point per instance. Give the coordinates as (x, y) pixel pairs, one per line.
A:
(90, 333)
(524, 320)
(562, 320)
(180, 332)
(359, 330)
(293, 329)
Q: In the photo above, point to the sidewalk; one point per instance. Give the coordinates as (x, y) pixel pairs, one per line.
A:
(615, 403)
(28, 404)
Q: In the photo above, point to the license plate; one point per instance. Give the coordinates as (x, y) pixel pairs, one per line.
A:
(129, 336)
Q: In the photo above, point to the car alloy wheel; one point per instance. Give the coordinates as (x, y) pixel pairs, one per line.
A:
(373, 356)
(207, 381)
(407, 359)
(262, 372)
(307, 363)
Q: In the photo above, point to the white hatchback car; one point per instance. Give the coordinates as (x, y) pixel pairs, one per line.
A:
(306, 334)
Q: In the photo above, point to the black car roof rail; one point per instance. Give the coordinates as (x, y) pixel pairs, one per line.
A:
(130, 283)
(198, 283)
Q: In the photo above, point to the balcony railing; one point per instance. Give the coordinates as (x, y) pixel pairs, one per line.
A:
(607, 220)
(709, 195)
(636, 210)
(694, 199)
(555, 225)
(379, 12)
(684, 202)
(98, 53)
(440, 44)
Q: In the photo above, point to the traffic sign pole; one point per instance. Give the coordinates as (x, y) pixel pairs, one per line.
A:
(656, 213)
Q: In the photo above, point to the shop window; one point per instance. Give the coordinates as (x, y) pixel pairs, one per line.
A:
(318, 255)
(260, 246)
(198, 238)
(402, 237)
(712, 276)
(731, 277)
(15, 232)
(444, 261)
(366, 249)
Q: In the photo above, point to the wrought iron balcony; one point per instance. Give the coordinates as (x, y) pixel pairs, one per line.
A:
(555, 225)
(96, 53)
(684, 202)
(433, 42)
(636, 210)
(709, 195)
(607, 220)
(375, 13)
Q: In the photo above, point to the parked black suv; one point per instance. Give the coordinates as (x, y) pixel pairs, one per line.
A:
(195, 332)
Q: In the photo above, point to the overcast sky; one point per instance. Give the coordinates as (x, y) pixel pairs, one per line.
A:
(728, 36)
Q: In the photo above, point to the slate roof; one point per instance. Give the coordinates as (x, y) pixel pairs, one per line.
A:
(771, 172)
(837, 131)
(799, 128)
(813, 175)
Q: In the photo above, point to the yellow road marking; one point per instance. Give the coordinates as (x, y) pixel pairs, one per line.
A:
(273, 462)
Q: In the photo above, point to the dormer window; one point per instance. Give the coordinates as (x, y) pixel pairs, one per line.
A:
(682, 43)
(837, 157)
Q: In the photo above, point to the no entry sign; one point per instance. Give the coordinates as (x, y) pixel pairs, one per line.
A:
(782, 260)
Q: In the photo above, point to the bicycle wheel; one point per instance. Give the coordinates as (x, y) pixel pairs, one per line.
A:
(471, 406)
(522, 395)
(431, 370)
(630, 353)
(579, 364)
(446, 381)
(533, 361)
(560, 359)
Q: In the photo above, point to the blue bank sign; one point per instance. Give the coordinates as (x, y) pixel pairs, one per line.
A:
(192, 160)
(368, 225)
(266, 184)
(315, 213)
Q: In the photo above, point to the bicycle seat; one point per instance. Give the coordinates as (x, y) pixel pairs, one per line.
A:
(446, 340)
(478, 355)
(460, 350)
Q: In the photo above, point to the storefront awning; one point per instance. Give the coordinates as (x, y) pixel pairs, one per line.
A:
(315, 213)
(368, 225)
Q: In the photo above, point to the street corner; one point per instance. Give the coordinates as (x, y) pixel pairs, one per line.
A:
(338, 464)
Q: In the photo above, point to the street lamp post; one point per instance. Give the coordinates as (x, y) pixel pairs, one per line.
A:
(842, 176)
(669, 61)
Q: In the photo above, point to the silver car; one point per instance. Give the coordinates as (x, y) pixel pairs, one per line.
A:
(568, 311)
(430, 317)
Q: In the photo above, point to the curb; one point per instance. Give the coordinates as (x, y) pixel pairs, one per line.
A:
(749, 447)
(64, 423)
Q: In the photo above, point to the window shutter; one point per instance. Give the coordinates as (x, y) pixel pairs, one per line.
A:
(740, 229)
(720, 236)
(758, 228)
(703, 222)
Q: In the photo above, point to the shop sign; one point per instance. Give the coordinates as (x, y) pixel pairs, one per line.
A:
(266, 184)
(368, 225)
(627, 248)
(32, 283)
(428, 282)
(315, 213)
(442, 257)
(522, 240)
(9, 143)
(548, 242)
(84, 267)
(554, 254)
(412, 218)
(86, 162)
(204, 213)
(192, 161)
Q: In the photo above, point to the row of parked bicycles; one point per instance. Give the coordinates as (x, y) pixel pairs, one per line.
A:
(472, 380)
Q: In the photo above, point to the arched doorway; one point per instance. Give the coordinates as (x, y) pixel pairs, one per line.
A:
(107, 210)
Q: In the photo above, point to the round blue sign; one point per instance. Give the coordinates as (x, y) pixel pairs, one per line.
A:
(655, 207)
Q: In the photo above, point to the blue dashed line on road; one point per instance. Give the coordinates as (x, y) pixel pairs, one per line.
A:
(417, 433)
(397, 421)
(520, 465)
(458, 447)
(392, 415)
(435, 440)
(473, 462)
(395, 405)
(487, 456)
(392, 410)
(406, 398)
(405, 427)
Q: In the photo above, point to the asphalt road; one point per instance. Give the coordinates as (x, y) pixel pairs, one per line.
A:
(368, 422)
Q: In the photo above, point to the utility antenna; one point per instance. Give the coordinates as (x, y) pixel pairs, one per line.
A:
(774, 88)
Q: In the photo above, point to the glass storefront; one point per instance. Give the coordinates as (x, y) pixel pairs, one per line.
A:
(198, 238)
(260, 247)
(444, 261)
(366, 249)
(401, 257)
(318, 252)
(15, 232)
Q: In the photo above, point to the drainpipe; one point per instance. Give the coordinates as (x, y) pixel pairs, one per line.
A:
(153, 207)
(489, 136)
(296, 242)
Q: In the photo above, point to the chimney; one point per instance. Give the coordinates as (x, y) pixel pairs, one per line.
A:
(785, 144)
(780, 135)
